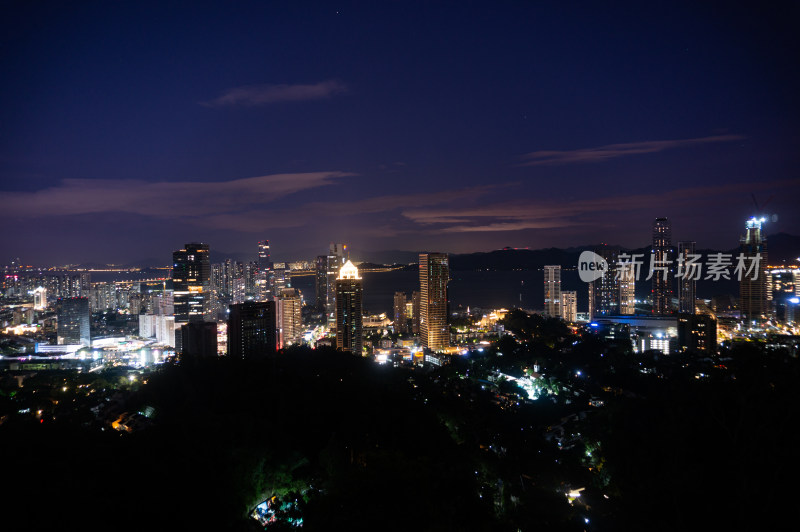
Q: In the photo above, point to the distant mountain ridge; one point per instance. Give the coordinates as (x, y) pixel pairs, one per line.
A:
(782, 248)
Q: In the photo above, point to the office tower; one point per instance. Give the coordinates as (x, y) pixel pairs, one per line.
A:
(753, 292)
(198, 340)
(661, 255)
(335, 262)
(290, 317)
(604, 291)
(552, 291)
(697, 333)
(687, 284)
(416, 310)
(252, 329)
(263, 255)
(282, 277)
(263, 275)
(400, 315)
(40, 298)
(627, 288)
(191, 272)
(321, 282)
(569, 305)
(434, 274)
(72, 314)
(251, 281)
(349, 313)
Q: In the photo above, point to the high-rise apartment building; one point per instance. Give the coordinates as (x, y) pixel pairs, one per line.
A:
(662, 278)
(687, 282)
(434, 274)
(627, 288)
(753, 292)
(72, 315)
(569, 305)
(252, 329)
(552, 291)
(400, 315)
(349, 311)
(290, 317)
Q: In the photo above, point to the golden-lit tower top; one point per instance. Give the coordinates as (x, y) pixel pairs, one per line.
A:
(348, 271)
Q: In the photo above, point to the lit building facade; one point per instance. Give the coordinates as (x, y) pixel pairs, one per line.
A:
(72, 314)
(191, 272)
(753, 292)
(39, 298)
(290, 317)
(335, 260)
(569, 305)
(604, 291)
(552, 291)
(349, 310)
(627, 289)
(783, 291)
(661, 294)
(400, 313)
(434, 274)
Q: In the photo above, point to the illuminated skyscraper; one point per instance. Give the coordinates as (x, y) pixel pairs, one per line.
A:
(349, 312)
(783, 291)
(263, 275)
(290, 317)
(569, 305)
(400, 316)
(627, 288)
(604, 292)
(753, 292)
(687, 285)
(72, 314)
(552, 291)
(434, 274)
(191, 272)
(282, 277)
(263, 255)
(662, 281)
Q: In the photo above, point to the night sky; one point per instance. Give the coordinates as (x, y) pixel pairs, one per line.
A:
(130, 128)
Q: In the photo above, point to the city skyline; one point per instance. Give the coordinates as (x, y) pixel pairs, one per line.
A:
(514, 125)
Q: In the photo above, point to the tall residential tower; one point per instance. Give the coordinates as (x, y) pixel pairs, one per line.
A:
(662, 279)
(434, 273)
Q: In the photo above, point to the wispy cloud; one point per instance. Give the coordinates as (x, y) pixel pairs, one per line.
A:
(255, 95)
(613, 151)
(547, 214)
(164, 199)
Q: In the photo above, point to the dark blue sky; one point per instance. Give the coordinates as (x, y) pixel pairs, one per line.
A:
(129, 128)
